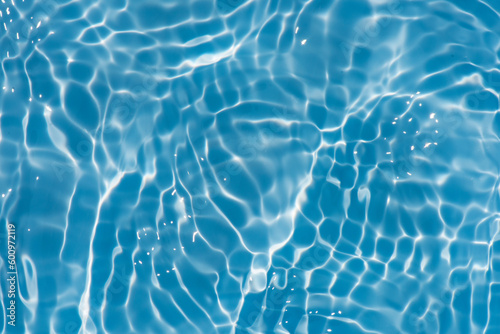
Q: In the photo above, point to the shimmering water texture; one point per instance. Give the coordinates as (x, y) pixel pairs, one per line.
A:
(260, 166)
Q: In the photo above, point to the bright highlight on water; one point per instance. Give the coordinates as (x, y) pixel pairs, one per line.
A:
(250, 166)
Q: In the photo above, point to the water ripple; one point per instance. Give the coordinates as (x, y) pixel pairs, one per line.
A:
(235, 166)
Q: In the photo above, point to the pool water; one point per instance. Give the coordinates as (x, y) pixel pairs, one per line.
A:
(250, 166)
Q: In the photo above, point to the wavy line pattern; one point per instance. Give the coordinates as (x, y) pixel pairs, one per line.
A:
(258, 166)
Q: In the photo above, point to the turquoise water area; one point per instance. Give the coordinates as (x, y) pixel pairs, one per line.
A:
(258, 166)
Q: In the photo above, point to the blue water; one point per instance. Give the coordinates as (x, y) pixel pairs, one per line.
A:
(258, 166)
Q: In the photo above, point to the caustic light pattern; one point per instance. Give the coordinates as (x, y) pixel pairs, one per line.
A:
(258, 166)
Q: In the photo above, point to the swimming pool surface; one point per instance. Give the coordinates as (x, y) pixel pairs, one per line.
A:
(258, 166)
